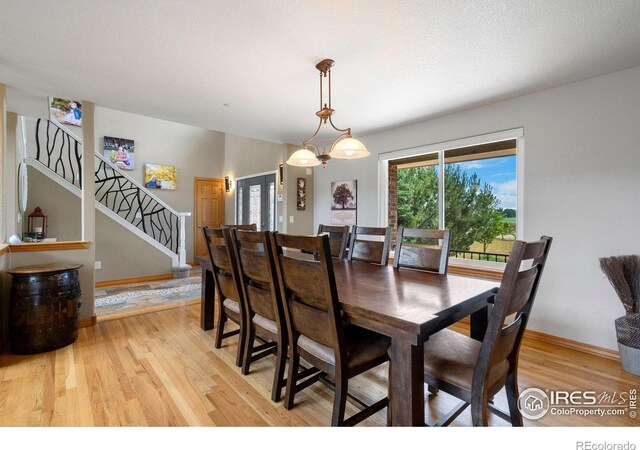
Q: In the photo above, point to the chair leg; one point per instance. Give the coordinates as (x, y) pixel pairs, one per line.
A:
(340, 400)
(222, 319)
(479, 412)
(511, 386)
(389, 411)
(241, 343)
(250, 336)
(292, 378)
(278, 375)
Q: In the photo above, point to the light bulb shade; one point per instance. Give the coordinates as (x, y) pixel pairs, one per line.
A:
(349, 148)
(303, 158)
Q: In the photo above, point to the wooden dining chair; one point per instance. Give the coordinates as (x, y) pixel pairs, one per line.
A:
(264, 316)
(373, 251)
(338, 238)
(246, 227)
(230, 301)
(428, 249)
(475, 371)
(317, 332)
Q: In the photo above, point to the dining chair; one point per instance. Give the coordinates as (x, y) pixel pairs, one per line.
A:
(246, 227)
(338, 238)
(429, 249)
(475, 371)
(317, 332)
(230, 301)
(373, 251)
(264, 317)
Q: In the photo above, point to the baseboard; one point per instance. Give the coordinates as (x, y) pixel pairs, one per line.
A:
(537, 337)
(109, 283)
(88, 322)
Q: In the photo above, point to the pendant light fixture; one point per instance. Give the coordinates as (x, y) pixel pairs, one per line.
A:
(343, 147)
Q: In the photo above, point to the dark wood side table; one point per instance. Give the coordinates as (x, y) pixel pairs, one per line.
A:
(44, 307)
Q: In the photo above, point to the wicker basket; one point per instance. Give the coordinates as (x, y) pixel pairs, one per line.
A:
(628, 333)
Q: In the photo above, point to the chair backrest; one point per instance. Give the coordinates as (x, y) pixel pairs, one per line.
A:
(308, 290)
(248, 227)
(369, 250)
(221, 264)
(338, 236)
(257, 279)
(429, 249)
(514, 300)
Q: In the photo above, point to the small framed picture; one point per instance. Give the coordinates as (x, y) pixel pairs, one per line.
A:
(65, 111)
(301, 194)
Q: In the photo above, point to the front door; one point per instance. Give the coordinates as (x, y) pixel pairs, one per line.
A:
(256, 201)
(209, 210)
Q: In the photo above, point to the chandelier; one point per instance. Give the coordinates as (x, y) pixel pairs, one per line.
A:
(344, 146)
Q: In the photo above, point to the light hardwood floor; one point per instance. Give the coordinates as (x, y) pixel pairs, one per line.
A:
(160, 369)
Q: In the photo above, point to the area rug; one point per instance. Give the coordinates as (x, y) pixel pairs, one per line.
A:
(142, 296)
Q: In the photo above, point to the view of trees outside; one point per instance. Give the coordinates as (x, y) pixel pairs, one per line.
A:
(474, 212)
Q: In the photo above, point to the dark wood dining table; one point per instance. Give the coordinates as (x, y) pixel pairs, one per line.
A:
(406, 305)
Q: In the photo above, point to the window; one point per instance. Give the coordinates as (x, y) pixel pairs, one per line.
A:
(470, 190)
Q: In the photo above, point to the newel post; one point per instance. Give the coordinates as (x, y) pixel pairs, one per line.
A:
(182, 247)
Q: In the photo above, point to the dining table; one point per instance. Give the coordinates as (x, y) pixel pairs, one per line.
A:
(406, 305)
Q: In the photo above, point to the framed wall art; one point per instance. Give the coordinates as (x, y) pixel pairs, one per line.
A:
(65, 111)
(344, 202)
(119, 151)
(301, 194)
(159, 176)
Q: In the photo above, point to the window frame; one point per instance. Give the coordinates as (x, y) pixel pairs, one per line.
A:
(440, 148)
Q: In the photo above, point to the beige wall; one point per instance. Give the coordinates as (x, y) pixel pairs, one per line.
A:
(246, 156)
(302, 220)
(62, 208)
(123, 254)
(195, 152)
(581, 165)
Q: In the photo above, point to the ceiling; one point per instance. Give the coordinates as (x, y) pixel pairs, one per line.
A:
(397, 62)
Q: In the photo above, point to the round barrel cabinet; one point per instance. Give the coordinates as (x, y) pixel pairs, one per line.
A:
(44, 307)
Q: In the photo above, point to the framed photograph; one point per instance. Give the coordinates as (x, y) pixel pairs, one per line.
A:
(301, 194)
(159, 176)
(119, 151)
(344, 202)
(65, 111)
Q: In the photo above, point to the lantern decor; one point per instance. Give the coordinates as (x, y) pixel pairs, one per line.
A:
(37, 223)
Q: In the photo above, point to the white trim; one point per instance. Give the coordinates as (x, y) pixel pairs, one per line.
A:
(66, 129)
(135, 183)
(259, 175)
(456, 143)
(441, 190)
(383, 193)
(520, 188)
(138, 232)
(440, 147)
(44, 170)
(99, 206)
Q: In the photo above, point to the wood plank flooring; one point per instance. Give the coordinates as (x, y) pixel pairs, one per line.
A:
(160, 369)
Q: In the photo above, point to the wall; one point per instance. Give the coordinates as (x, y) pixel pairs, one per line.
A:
(61, 206)
(302, 220)
(581, 165)
(245, 156)
(122, 254)
(195, 152)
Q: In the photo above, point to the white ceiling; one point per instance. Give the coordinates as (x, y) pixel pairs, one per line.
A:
(397, 62)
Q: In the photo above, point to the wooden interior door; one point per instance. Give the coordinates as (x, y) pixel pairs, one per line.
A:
(209, 209)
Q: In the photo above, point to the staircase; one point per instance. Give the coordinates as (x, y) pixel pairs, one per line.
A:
(56, 152)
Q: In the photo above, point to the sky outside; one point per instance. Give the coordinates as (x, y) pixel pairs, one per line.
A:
(500, 173)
